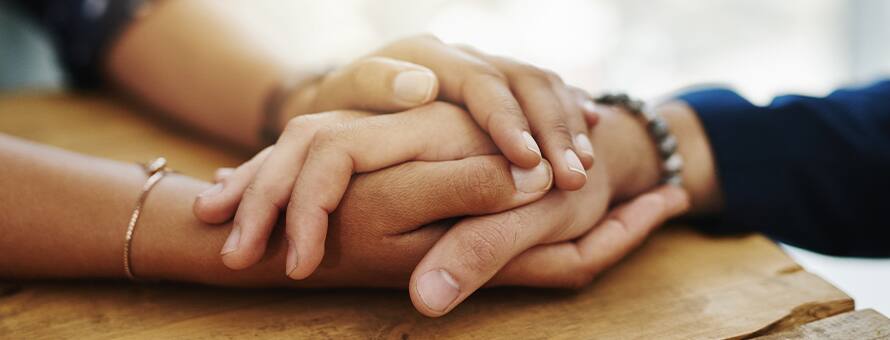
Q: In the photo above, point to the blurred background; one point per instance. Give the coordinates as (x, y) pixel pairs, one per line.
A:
(649, 48)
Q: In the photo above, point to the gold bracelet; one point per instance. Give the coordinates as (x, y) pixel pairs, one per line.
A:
(155, 170)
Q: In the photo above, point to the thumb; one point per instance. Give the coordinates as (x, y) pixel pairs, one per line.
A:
(376, 84)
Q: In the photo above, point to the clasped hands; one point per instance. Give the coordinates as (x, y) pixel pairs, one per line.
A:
(440, 162)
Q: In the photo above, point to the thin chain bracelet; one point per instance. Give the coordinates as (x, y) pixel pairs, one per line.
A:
(155, 170)
(671, 161)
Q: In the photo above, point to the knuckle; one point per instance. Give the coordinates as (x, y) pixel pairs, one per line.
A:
(558, 128)
(302, 123)
(365, 72)
(481, 247)
(527, 70)
(484, 181)
(485, 70)
(328, 136)
(553, 77)
(262, 195)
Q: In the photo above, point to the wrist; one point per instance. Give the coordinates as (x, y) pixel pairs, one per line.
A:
(299, 99)
(631, 158)
(172, 245)
(627, 151)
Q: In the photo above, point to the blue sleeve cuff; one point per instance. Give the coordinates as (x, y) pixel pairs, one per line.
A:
(728, 120)
(807, 171)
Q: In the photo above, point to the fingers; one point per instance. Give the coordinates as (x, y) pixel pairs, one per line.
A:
(217, 204)
(466, 79)
(576, 263)
(492, 105)
(395, 215)
(554, 116)
(588, 107)
(336, 152)
(222, 173)
(406, 197)
(550, 125)
(472, 251)
(267, 191)
(576, 121)
(376, 84)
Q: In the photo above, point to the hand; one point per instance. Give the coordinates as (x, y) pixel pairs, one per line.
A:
(509, 242)
(377, 84)
(539, 87)
(390, 218)
(336, 142)
(486, 244)
(521, 247)
(516, 103)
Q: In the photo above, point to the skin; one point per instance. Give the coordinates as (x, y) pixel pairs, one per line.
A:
(231, 67)
(49, 190)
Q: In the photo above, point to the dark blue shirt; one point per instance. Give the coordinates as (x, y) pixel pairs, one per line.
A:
(811, 172)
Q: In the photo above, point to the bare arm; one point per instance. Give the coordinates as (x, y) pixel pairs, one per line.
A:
(63, 215)
(203, 63)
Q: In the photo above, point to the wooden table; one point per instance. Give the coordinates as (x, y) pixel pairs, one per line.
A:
(681, 284)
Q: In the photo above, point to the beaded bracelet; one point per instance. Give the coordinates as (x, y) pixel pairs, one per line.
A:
(671, 161)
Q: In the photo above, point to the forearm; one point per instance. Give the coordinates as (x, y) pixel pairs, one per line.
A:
(203, 63)
(64, 215)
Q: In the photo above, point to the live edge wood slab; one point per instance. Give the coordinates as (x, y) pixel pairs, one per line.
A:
(680, 284)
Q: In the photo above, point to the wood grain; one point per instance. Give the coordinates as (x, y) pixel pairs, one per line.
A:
(865, 324)
(679, 285)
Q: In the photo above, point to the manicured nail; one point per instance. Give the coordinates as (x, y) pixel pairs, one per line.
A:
(582, 142)
(437, 289)
(530, 143)
(215, 189)
(537, 179)
(414, 86)
(574, 163)
(291, 256)
(232, 242)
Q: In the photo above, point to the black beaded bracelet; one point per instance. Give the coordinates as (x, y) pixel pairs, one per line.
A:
(671, 161)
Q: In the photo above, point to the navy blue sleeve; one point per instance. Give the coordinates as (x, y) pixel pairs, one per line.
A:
(811, 172)
(82, 31)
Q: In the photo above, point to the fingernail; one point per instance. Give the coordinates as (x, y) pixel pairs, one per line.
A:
(414, 86)
(222, 173)
(537, 179)
(291, 257)
(574, 163)
(530, 143)
(437, 289)
(232, 242)
(588, 106)
(582, 142)
(215, 189)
